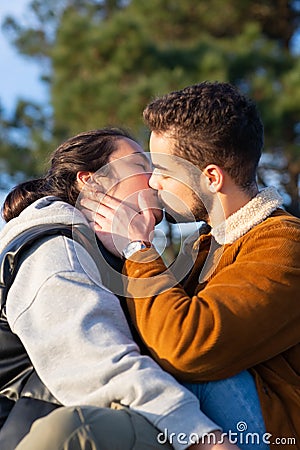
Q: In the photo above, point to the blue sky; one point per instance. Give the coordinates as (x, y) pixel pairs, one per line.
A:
(19, 77)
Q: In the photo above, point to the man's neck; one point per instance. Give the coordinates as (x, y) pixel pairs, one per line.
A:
(228, 202)
(247, 216)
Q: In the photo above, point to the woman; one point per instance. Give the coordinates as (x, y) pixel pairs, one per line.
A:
(74, 330)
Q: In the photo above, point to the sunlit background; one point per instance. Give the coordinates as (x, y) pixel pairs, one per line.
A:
(106, 59)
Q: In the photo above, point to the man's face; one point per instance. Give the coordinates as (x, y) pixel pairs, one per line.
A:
(178, 182)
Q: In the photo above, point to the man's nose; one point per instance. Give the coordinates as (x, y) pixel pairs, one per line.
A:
(154, 182)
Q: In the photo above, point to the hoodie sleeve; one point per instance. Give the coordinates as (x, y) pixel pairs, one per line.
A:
(79, 342)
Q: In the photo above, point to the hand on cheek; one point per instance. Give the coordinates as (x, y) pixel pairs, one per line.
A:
(116, 223)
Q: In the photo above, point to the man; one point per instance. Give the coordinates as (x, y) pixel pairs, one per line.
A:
(238, 308)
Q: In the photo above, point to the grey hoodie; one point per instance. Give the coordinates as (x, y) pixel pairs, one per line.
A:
(76, 334)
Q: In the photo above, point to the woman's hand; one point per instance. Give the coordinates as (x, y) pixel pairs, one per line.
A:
(115, 222)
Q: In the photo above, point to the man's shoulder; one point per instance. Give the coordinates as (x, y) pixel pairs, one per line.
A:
(279, 223)
(283, 218)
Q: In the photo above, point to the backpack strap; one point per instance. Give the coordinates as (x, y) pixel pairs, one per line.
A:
(10, 256)
(16, 371)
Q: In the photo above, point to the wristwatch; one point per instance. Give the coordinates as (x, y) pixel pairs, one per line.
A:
(135, 246)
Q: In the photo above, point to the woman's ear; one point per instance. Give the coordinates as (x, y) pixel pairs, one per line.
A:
(83, 178)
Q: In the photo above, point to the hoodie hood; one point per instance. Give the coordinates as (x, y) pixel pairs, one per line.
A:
(46, 210)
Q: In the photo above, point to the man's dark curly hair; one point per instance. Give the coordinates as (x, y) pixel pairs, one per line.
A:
(211, 123)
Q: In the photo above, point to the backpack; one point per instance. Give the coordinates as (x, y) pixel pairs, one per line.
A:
(23, 396)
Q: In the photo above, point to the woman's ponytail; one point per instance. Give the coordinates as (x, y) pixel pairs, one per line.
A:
(22, 196)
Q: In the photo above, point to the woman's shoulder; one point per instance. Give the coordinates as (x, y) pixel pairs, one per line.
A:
(45, 211)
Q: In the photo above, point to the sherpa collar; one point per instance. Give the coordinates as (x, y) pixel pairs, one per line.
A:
(253, 213)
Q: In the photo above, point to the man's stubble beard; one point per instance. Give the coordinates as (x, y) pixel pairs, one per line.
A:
(198, 212)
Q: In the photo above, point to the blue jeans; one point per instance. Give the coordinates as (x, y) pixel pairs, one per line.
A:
(234, 405)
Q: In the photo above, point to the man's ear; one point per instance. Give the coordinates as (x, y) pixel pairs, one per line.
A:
(82, 177)
(214, 177)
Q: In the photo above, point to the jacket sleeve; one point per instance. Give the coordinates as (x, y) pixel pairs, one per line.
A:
(79, 342)
(246, 313)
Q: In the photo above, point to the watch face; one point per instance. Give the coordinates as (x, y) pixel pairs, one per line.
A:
(134, 247)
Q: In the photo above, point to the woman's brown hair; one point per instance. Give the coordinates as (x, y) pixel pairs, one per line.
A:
(87, 151)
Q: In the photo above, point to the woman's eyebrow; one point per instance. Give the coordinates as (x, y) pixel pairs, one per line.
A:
(158, 166)
(143, 155)
(145, 159)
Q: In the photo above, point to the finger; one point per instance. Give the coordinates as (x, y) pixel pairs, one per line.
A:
(93, 191)
(150, 196)
(100, 223)
(89, 215)
(94, 201)
(95, 226)
(105, 210)
(88, 204)
(112, 202)
(98, 216)
(145, 208)
(95, 185)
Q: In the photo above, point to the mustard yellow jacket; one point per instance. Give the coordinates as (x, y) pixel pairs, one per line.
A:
(244, 314)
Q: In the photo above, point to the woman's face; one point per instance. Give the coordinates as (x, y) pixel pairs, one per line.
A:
(126, 174)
